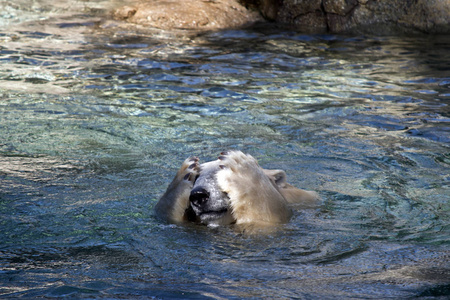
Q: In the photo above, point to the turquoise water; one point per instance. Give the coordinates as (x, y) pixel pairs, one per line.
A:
(96, 117)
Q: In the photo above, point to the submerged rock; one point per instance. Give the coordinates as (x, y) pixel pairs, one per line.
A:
(188, 14)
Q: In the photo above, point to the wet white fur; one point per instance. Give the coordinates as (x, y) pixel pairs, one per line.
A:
(254, 197)
(257, 196)
(175, 200)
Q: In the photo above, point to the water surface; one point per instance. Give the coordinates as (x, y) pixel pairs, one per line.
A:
(96, 117)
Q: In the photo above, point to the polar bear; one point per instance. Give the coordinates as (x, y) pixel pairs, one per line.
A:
(233, 189)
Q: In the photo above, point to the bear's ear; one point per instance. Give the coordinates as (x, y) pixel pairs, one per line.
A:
(277, 176)
(307, 199)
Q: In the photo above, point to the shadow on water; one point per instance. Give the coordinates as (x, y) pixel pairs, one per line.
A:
(96, 117)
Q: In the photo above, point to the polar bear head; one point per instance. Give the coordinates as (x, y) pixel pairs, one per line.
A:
(208, 204)
(233, 189)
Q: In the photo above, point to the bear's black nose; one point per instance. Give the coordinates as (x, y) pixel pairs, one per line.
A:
(199, 196)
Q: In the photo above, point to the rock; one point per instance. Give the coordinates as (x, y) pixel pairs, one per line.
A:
(268, 8)
(304, 15)
(339, 7)
(428, 16)
(188, 14)
(360, 16)
(314, 16)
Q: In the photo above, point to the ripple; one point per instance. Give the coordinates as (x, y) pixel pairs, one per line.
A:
(95, 120)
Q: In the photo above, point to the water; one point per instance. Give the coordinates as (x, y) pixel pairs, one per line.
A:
(96, 117)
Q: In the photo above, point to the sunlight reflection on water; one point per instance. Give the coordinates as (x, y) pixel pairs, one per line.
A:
(95, 119)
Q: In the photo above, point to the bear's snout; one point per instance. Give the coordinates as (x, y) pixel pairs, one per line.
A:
(199, 197)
